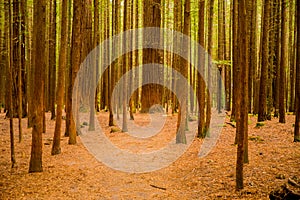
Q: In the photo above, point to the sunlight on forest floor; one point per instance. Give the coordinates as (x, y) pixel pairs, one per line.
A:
(76, 174)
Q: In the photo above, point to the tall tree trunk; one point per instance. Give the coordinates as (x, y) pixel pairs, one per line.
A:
(221, 51)
(262, 112)
(201, 65)
(277, 56)
(52, 57)
(20, 76)
(180, 136)
(61, 79)
(283, 61)
(151, 93)
(9, 79)
(76, 58)
(228, 76)
(39, 30)
(209, 75)
(297, 85)
(292, 50)
(242, 94)
(176, 63)
(234, 56)
(126, 24)
(252, 53)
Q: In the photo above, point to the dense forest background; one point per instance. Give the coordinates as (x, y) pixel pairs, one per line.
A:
(254, 46)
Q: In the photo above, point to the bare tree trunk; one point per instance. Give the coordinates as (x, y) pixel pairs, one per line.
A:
(297, 86)
(200, 79)
(283, 62)
(180, 136)
(262, 112)
(209, 50)
(151, 93)
(61, 79)
(52, 57)
(76, 58)
(242, 94)
(9, 80)
(39, 31)
(292, 63)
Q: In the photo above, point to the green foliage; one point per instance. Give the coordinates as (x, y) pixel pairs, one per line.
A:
(255, 138)
(115, 129)
(222, 62)
(259, 124)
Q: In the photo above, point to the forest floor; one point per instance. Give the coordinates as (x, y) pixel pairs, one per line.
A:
(76, 174)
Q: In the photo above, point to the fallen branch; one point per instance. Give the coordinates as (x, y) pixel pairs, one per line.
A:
(284, 193)
(293, 183)
(231, 124)
(161, 188)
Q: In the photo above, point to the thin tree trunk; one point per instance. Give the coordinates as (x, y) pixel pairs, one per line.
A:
(39, 31)
(242, 94)
(9, 81)
(284, 62)
(52, 57)
(262, 112)
(297, 86)
(180, 136)
(200, 78)
(61, 79)
(209, 50)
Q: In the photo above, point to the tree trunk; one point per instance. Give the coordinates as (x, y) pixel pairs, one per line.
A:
(242, 94)
(9, 45)
(297, 85)
(151, 93)
(76, 59)
(39, 31)
(292, 63)
(262, 112)
(61, 79)
(180, 136)
(221, 51)
(201, 64)
(52, 57)
(283, 61)
(209, 50)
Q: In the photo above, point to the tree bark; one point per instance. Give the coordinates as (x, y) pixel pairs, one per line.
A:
(39, 30)
(201, 65)
(297, 85)
(283, 61)
(61, 79)
(242, 94)
(262, 112)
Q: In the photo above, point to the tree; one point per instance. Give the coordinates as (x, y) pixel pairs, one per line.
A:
(252, 54)
(242, 93)
(297, 86)
(235, 57)
(201, 63)
(39, 31)
(125, 65)
(209, 75)
(180, 136)
(283, 62)
(176, 62)
(76, 59)
(9, 81)
(292, 50)
(221, 50)
(52, 57)
(151, 93)
(61, 79)
(262, 112)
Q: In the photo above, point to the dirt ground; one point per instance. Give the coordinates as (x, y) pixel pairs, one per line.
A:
(76, 174)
